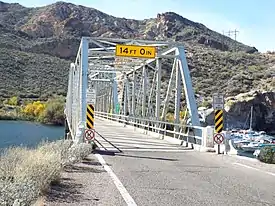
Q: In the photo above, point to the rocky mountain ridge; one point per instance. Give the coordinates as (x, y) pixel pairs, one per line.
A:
(38, 44)
(65, 20)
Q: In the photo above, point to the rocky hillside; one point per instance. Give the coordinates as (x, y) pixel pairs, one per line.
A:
(37, 45)
(238, 111)
(56, 24)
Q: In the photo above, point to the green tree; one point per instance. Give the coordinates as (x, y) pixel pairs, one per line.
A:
(54, 111)
(13, 101)
(267, 155)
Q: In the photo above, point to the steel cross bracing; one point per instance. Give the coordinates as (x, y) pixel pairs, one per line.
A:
(134, 87)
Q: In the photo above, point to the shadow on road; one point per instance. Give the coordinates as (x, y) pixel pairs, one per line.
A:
(92, 163)
(111, 153)
(67, 191)
(104, 152)
(77, 168)
(146, 157)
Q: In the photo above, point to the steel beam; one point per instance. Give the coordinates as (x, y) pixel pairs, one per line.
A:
(144, 86)
(134, 94)
(169, 89)
(84, 74)
(103, 71)
(101, 80)
(150, 61)
(111, 54)
(157, 111)
(101, 49)
(151, 92)
(177, 97)
(189, 92)
(125, 96)
(115, 94)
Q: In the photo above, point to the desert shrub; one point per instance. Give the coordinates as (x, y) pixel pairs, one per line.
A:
(267, 155)
(54, 111)
(26, 174)
(23, 193)
(13, 101)
(79, 151)
(10, 158)
(206, 104)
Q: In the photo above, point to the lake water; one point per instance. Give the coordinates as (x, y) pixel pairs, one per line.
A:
(16, 133)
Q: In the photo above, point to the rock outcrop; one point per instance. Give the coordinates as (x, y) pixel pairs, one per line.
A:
(238, 111)
(63, 20)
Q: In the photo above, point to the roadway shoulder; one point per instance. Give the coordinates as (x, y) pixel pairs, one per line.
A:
(245, 162)
(85, 183)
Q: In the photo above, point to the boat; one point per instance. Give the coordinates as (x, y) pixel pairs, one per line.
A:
(249, 133)
(251, 147)
(250, 140)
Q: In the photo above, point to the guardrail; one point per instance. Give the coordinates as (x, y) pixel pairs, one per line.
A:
(181, 132)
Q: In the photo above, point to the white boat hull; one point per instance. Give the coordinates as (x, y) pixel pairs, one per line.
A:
(249, 149)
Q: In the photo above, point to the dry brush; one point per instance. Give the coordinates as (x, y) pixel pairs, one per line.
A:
(27, 174)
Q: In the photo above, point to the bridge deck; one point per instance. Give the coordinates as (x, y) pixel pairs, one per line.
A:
(114, 137)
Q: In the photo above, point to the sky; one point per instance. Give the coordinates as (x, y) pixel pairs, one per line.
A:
(254, 19)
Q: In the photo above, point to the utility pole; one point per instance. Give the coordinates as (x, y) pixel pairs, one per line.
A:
(235, 37)
(222, 40)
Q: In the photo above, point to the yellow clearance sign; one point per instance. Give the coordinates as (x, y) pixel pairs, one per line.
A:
(136, 51)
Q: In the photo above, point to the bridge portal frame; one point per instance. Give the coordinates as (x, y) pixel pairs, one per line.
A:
(96, 67)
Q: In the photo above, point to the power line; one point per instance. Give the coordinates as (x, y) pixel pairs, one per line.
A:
(222, 40)
(235, 36)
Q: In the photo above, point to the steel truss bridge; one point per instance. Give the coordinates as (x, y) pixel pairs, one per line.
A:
(132, 91)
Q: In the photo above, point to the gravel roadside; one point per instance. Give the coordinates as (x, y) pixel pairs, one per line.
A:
(85, 184)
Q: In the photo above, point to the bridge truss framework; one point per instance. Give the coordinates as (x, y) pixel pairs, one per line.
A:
(132, 87)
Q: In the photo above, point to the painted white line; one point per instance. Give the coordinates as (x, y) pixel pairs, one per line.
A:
(124, 193)
(253, 168)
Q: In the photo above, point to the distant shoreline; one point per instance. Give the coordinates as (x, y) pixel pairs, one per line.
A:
(20, 118)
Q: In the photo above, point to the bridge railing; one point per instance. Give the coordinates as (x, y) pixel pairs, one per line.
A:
(161, 128)
(74, 103)
(76, 99)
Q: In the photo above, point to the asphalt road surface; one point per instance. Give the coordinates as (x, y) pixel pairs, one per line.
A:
(157, 173)
(134, 169)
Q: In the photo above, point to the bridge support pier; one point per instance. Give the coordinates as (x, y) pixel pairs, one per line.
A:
(79, 137)
(207, 137)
